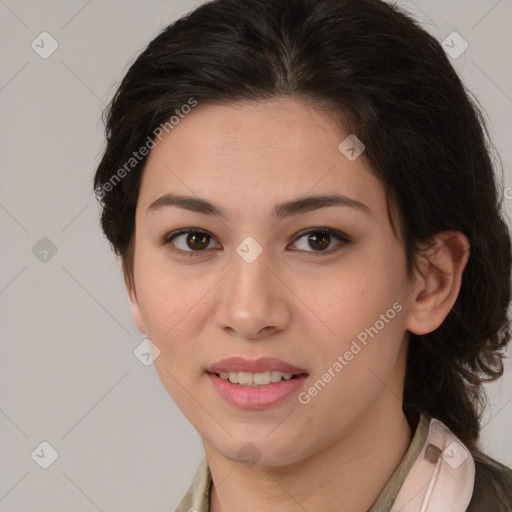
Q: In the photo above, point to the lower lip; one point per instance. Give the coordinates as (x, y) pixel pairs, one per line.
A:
(256, 397)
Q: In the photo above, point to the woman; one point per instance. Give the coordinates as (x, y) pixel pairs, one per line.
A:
(303, 200)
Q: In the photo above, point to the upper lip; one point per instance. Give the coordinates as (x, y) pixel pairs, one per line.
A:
(263, 364)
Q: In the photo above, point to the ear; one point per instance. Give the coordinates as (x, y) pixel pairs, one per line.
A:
(441, 264)
(137, 317)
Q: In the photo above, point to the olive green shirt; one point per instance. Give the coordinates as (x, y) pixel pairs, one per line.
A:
(492, 490)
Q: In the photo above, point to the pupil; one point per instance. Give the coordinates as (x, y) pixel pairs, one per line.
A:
(313, 239)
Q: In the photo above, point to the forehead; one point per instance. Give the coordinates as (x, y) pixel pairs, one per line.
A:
(251, 154)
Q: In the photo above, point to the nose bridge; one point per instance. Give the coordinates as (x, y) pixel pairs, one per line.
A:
(249, 279)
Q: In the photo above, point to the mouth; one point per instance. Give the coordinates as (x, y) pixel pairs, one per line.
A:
(255, 384)
(256, 391)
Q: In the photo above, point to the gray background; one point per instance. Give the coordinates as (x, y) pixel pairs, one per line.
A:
(68, 375)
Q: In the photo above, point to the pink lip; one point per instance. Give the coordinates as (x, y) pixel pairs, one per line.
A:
(263, 364)
(256, 397)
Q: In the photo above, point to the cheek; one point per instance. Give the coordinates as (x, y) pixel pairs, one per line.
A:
(163, 295)
(170, 306)
(360, 314)
(174, 307)
(348, 301)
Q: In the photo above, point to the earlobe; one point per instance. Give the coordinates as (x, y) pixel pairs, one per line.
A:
(441, 266)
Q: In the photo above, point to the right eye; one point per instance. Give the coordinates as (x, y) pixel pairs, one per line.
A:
(196, 240)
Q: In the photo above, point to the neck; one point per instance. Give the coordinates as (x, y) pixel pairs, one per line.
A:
(347, 476)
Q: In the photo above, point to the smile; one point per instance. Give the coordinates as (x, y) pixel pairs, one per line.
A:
(246, 394)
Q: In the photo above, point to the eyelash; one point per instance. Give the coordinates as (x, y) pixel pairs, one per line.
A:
(344, 239)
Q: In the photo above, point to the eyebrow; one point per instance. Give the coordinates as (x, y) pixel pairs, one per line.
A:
(286, 209)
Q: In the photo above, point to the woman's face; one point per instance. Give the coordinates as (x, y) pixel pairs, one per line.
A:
(253, 284)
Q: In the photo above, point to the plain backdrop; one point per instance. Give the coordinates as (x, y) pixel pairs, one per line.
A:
(68, 374)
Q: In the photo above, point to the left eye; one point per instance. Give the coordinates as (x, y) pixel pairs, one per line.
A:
(319, 239)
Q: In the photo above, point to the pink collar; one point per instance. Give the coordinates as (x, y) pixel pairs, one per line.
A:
(441, 478)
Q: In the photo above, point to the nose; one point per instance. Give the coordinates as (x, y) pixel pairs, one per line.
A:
(253, 299)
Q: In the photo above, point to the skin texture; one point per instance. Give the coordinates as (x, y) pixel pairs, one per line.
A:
(293, 302)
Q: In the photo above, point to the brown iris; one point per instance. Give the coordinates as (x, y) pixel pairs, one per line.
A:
(201, 239)
(321, 239)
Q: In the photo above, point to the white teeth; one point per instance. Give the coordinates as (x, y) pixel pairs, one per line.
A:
(244, 378)
(276, 376)
(255, 379)
(262, 379)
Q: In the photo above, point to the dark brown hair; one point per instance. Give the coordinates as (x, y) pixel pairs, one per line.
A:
(390, 83)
